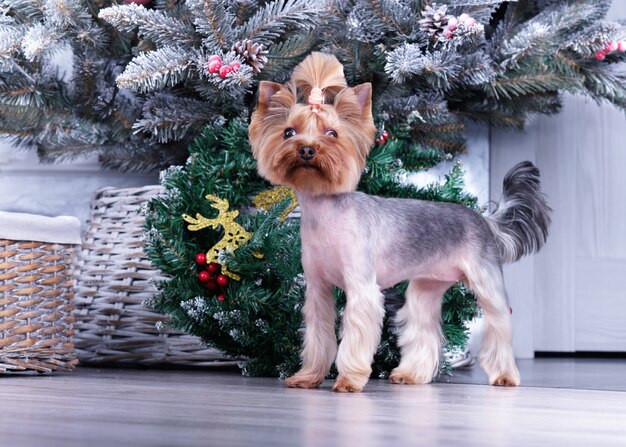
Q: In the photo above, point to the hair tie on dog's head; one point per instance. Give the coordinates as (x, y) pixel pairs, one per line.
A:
(316, 97)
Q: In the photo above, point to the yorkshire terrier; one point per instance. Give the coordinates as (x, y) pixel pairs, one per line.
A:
(314, 134)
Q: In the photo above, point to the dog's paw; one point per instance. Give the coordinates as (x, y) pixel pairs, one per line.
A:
(506, 380)
(408, 378)
(402, 378)
(303, 381)
(345, 385)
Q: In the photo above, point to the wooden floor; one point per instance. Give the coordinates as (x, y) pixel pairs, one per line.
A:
(111, 407)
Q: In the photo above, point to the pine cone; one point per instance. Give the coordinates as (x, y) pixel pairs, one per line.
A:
(253, 54)
(435, 20)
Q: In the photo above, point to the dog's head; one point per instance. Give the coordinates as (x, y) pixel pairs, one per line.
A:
(313, 133)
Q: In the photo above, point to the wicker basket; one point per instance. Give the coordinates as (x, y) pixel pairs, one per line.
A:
(113, 326)
(36, 290)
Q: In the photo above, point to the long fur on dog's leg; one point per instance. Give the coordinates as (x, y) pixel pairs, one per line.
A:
(419, 322)
(320, 342)
(362, 327)
(496, 356)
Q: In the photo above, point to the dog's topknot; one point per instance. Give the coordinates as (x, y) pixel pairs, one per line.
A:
(319, 71)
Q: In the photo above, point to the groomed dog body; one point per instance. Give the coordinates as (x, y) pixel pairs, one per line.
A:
(364, 243)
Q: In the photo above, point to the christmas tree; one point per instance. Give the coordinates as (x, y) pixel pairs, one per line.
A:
(146, 79)
(234, 262)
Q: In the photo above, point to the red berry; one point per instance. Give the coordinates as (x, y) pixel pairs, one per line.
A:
(222, 280)
(235, 65)
(600, 55)
(379, 141)
(453, 23)
(201, 258)
(612, 46)
(213, 267)
(221, 297)
(621, 46)
(385, 134)
(211, 284)
(214, 67)
(204, 276)
(215, 57)
(225, 71)
(510, 310)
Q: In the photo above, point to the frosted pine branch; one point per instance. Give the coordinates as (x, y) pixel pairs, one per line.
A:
(63, 14)
(594, 39)
(284, 56)
(274, 19)
(608, 83)
(424, 107)
(169, 118)
(364, 26)
(39, 41)
(214, 23)
(437, 68)
(155, 70)
(475, 69)
(404, 62)
(527, 84)
(10, 40)
(27, 11)
(152, 24)
(480, 10)
(397, 15)
(24, 93)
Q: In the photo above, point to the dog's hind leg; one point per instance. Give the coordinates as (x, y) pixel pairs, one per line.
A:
(420, 337)
(496, 356)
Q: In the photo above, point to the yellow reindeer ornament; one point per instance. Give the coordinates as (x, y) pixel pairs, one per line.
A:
(234, 234)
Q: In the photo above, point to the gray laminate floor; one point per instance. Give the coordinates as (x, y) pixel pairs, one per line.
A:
(110, 407)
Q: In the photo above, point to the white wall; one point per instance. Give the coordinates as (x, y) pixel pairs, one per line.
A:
(543, 289)
(52, 190)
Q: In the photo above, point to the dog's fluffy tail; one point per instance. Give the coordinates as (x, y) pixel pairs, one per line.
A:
(520, 223)
(320, 70)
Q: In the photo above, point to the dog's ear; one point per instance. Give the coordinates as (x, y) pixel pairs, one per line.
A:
(363, 94)
(267, 89)
(355, 102)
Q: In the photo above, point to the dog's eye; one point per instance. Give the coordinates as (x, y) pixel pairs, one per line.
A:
(289, 132)
(331, 133)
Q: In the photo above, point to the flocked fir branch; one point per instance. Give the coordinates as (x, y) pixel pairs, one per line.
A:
(434, 65)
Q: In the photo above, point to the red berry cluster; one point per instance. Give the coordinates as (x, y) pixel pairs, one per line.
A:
(453, 24)
(212, 276)
(611, 47)
(215, 67)
(383, 138)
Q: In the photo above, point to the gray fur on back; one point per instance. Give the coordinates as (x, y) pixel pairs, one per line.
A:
(422, 229)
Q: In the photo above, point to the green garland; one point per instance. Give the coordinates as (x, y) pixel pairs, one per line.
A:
(258, 318)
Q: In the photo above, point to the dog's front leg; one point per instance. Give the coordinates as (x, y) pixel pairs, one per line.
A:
(360, 336)
(320, 342)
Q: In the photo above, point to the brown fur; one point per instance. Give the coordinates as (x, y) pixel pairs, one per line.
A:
(303, 382)
(506, 380)
(339, 161)
(345, 385)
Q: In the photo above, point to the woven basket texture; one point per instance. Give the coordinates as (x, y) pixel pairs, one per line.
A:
(114, 278)
(36, 320)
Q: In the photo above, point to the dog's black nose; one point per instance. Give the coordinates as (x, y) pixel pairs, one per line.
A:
(306, 152)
